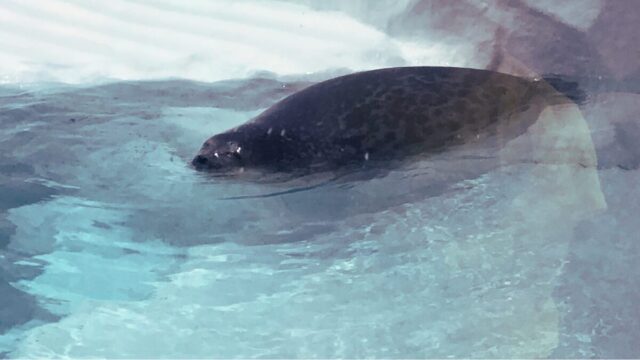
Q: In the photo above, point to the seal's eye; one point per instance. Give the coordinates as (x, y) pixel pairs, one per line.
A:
(232, 155)
(234, 147)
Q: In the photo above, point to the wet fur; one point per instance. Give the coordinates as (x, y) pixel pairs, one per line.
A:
(380, 117)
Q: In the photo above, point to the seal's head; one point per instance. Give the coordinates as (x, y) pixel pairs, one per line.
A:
(254, 152)
(247, 152)
(223, 154)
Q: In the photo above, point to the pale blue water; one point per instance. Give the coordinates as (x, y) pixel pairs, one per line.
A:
(112, 246)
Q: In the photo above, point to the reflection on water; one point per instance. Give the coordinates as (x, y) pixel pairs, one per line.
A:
(109, 241)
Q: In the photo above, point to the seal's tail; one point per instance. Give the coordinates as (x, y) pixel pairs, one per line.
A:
(578, 89)
(567, 86)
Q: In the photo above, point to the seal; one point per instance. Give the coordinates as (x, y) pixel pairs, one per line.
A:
(375, 119)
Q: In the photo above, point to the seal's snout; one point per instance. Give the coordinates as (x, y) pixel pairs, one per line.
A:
(200, 162)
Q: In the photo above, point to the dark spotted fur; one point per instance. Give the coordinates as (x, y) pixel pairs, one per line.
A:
(373, 117)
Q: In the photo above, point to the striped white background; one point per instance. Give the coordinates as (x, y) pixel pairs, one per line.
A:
(83, 41)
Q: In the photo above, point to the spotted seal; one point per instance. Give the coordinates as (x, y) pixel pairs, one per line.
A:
(376, 117)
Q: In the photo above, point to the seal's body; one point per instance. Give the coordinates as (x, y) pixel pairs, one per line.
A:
(377, 117)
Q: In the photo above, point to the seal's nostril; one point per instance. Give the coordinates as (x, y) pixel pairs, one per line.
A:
(199, 160)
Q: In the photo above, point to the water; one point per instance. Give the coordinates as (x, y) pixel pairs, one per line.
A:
(111, 246)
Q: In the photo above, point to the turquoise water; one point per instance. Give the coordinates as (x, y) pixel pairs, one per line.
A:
(111, 246)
